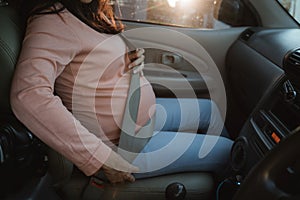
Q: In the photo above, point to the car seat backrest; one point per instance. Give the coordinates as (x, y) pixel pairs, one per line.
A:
(11, 35)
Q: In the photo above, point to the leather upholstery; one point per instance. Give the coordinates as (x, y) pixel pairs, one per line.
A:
(11, 33)
(199, 186)
(23, 156)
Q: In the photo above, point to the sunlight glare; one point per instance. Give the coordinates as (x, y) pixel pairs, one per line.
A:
(172, 3)
(183, 3)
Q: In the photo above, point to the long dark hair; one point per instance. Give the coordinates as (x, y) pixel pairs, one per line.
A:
(98, 14)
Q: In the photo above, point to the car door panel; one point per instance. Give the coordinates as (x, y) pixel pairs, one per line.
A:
(165, 68)
(170, 64)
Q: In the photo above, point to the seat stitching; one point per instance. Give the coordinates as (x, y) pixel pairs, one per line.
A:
(8, 50)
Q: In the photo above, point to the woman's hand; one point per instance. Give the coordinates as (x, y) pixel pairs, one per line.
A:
(137, 59)
(118, 170)
(115, 176)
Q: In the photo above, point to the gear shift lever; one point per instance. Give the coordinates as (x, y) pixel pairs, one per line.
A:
(175, 191)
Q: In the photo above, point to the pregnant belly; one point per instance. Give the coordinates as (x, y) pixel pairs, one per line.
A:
(110, 107)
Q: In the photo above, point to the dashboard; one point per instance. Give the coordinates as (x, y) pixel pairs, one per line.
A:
(265, 75)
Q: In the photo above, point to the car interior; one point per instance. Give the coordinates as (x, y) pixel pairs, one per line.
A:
(258, 59)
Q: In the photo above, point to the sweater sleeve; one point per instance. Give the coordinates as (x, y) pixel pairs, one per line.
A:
(49, 45)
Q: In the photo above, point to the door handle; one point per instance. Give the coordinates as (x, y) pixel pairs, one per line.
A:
(170, 58)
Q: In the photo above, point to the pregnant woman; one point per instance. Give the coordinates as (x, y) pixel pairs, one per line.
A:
(70, 89)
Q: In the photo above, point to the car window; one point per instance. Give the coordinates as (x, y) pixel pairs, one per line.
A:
(208, 14)
(293, 7)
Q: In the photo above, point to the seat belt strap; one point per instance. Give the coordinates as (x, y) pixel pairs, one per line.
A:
(132, 143)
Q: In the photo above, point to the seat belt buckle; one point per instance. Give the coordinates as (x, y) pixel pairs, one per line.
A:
(96, 182)
(94, 189)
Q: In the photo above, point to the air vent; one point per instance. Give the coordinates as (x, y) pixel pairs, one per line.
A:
(294, 58)
(246, 35)
(291, 65)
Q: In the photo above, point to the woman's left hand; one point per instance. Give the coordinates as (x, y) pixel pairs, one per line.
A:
(137, 59)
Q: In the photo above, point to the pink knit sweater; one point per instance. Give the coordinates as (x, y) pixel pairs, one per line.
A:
(70, 88)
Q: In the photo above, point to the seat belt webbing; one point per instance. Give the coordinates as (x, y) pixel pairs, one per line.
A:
(131, 142)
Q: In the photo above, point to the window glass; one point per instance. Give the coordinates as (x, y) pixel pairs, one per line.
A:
(293, 7)
(210, 14)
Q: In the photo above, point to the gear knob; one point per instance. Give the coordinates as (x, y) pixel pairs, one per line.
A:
(175, 191)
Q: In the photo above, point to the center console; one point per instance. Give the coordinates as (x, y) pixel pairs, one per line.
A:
(277, 115)
(270, 123)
